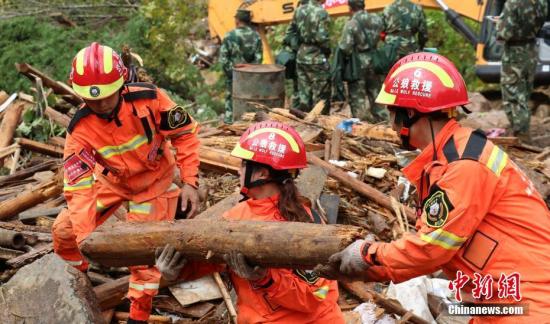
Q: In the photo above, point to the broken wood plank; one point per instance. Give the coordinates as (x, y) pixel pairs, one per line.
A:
(170, 304)
(369, 131)
(57, 117)
(43, 148)
(335, 144)
(327, 150)
(15, 159)
(272, 244)
(226, 297)
(98, 279)
(360, 290)
(111, 294)
(504, 141)
(59, 88)
(359, 186)
(218, 159)
(30, 198)
(7, 254)
(30, 256)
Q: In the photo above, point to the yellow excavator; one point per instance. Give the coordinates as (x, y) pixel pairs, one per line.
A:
(488, 50)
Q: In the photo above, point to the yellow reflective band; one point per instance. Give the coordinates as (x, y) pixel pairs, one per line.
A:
(99, 207)
(152, 286)
(444, 239)
(109, 151)
(105, 90)
(443, 76)
(80, 62)
(83, 183)
(321, 292)
(136, 208)
(240, 152)
(497, 160)
(293, 144)
(107, 59)
(385, 98)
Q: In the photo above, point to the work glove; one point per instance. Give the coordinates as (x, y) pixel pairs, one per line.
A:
(169, 262)
(238, 264)
(348, 264)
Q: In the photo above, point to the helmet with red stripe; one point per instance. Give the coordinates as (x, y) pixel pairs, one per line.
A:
(273, 145)
(97, 72)
(423, 82)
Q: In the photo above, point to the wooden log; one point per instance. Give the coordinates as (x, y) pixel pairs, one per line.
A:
(226, 297)
(110, 294)
(359, 186)
(30, 256)
(30, 216)
(153, 319)
(30, 198)
(360, 290)
(7, 254)
(57, 117)
(99, 279)
(11, 239)
(9, 124)
(59, 88)
(218, 159)
(272, 244)
(38, 147)
(23, 174)
(335, 144)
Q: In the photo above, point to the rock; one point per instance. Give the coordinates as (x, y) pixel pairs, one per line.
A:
(542, 111)
(486, 120)
(478, 103)
(49, 291)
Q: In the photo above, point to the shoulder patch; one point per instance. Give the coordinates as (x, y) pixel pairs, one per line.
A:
(436, 208)
(174, 118)
(309, 276)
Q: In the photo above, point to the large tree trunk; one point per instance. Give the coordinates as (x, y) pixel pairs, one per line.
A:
(271, 244)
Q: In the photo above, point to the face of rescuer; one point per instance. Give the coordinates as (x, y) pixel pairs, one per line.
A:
(104, 106)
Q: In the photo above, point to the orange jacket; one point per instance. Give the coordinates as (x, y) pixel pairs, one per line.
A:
(129, 154)
(480, 213)
(285, 296)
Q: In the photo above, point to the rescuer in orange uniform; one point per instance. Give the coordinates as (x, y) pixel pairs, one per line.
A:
(479, 213)
(272, 154)
(118, 153)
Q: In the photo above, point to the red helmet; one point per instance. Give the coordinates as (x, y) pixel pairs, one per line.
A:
(274, 144)
(425, 82)
(97, 72)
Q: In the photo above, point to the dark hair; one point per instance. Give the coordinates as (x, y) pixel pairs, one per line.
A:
(291, 203)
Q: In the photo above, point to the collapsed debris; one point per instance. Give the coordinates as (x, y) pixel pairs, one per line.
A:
(354, 178)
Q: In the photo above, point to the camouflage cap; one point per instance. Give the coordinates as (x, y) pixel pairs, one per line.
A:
(357, 4)
(243, 15)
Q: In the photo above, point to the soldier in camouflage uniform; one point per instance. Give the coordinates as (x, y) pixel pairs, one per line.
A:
(405, 23)
(241, 45)
(518, 25)
(361, 33)
(312, 65)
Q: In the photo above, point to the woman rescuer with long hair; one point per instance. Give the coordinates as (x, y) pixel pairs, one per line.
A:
(272, 155)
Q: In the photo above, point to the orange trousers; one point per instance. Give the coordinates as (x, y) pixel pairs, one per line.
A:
(144, 280)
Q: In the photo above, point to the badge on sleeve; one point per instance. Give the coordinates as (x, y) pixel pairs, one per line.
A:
(436, 208)
(174, 118)
(308, 276)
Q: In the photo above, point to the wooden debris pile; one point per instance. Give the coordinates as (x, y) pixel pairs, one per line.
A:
(355, 179)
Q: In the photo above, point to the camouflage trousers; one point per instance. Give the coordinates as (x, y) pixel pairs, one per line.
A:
(516, 80)
(228, 118)
(313, 85)
(362, 94)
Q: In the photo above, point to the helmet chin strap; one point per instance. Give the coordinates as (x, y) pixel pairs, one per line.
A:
(402, 118)
(276, 176)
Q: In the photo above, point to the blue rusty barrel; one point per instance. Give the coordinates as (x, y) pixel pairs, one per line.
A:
(258, 83)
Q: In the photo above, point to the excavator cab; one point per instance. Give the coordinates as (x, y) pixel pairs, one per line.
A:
(489, 62)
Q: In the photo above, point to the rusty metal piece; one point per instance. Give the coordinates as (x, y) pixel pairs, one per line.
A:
(260, 83)
(11, 239)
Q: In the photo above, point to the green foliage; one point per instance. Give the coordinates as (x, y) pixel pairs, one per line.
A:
(38, 128)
